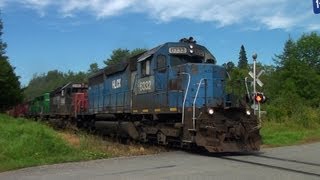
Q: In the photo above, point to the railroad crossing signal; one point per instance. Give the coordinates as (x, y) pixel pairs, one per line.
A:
(258, 81)
(316, 6)
(257, 97)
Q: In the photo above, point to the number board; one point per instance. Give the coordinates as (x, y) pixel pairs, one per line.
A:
(145, 85)
(76, 85)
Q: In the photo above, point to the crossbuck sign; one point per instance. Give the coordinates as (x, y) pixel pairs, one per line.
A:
(258, 81)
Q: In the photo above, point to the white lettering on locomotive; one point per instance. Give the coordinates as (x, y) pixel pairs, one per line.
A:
(145, 85)
(116, 84)
(76, 85)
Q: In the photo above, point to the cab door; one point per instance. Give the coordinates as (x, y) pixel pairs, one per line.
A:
(143, 100)
(161, 83)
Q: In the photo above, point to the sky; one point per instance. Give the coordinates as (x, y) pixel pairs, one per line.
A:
(45, 35)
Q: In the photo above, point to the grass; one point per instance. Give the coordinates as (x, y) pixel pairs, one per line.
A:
(288, 133)
(98, 144)
(25, 143)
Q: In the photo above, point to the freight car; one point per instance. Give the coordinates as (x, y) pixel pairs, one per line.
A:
(39, 106)
(173, 94)
(19, 110)
(62, 105)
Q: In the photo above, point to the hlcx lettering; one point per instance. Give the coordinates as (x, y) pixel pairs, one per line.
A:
(116, 84)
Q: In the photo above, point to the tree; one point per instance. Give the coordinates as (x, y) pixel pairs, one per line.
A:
(236, 83)
(229, 66)
(243, 60)
(137, 51)
(119, 55)
(298, 69)
(93, 68)
(308, 47)
(289, 52)
(10, 91)
(51, 80)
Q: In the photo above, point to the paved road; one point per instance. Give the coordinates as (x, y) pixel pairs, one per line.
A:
(294, 162)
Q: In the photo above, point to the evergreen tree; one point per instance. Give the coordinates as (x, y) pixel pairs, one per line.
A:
(10, 91)
(243, 60)
(289, 53)
(238, 74)
(93, 68)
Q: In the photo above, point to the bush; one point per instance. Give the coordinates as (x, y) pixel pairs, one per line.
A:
(291, 108)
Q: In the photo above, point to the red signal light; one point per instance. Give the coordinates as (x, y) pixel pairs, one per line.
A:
(259, 97)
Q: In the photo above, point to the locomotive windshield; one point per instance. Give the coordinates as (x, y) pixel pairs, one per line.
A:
(177, 60)
(183, 59)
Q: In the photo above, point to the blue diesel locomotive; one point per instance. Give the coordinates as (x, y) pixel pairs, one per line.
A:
(173, 94)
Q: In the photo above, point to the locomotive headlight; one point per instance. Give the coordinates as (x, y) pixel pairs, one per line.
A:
(248, 112)
(210, 111)
(191, 51)
(191, 46)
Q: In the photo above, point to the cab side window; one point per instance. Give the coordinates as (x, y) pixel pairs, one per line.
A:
(145, 67)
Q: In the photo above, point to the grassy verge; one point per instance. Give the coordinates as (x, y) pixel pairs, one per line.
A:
(24, 143)
(283, 134)
(94, 143)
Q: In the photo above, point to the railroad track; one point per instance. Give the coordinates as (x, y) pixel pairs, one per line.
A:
(278, 163)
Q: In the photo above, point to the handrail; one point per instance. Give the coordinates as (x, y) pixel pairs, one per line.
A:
(185, 95)
(194, 105)
(76, 108)
(133, 86)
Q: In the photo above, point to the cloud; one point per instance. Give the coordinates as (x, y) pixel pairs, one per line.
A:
(100, 8)
(278, 21)
(270, 14)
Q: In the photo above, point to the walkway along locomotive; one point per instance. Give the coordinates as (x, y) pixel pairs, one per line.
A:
(173, 94)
